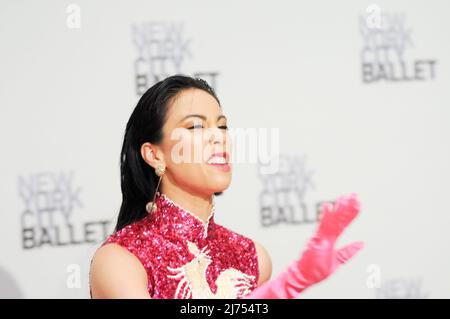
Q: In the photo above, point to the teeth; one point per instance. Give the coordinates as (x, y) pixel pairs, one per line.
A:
(217, 160)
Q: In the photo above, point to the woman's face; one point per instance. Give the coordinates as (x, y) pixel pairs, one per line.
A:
(196, 145)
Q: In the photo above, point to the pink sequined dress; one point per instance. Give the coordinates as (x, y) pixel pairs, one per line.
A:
(186, 257)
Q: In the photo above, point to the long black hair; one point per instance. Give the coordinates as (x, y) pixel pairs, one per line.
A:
(137, 178)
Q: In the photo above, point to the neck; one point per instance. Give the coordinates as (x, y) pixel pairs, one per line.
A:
(200, 205)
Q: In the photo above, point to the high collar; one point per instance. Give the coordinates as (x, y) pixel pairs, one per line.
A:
(175, 222)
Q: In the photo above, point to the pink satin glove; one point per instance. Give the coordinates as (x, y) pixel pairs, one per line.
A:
(320, 259)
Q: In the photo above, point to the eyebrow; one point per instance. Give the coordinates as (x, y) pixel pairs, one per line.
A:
(202, 117)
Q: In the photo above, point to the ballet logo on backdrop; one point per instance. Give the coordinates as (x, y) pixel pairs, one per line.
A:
(162, 50)
(50, 200)
(388, 49)
(402, 288)
(283, 196)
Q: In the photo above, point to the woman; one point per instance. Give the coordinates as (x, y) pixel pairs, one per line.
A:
(175, 158)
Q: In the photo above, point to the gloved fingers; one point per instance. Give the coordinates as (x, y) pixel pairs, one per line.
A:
(348, 251)
(335, 218)
(346, 208)
(326, 218)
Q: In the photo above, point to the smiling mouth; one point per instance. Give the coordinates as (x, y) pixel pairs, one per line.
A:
(218, 159)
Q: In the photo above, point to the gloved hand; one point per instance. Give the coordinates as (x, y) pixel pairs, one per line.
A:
(320, 259)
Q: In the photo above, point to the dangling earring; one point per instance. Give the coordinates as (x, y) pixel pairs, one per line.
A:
(151, 206)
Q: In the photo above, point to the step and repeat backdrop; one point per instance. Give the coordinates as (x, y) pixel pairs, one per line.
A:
(326, 98)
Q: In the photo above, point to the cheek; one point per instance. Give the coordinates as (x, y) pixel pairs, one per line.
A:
(199, 147)
(186, 149)
(196, 148)
(184, 159)
(187, 163)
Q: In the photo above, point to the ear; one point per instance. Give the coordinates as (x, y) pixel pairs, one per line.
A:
(152, 155)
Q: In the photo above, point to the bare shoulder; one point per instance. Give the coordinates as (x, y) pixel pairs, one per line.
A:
(117, 273)
(264, 263)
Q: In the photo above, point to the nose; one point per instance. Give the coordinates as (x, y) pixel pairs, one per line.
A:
(216, 136)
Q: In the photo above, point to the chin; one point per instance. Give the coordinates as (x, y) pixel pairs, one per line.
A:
(219, 187)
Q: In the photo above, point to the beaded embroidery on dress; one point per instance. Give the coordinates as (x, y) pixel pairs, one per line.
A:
(185, 257)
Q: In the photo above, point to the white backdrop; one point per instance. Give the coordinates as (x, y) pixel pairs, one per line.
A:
(69, 81)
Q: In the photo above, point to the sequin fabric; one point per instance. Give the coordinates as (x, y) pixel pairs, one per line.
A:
(185, 257)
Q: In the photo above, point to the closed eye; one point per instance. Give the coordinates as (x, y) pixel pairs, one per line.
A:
(222, 127)
(195, 126)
